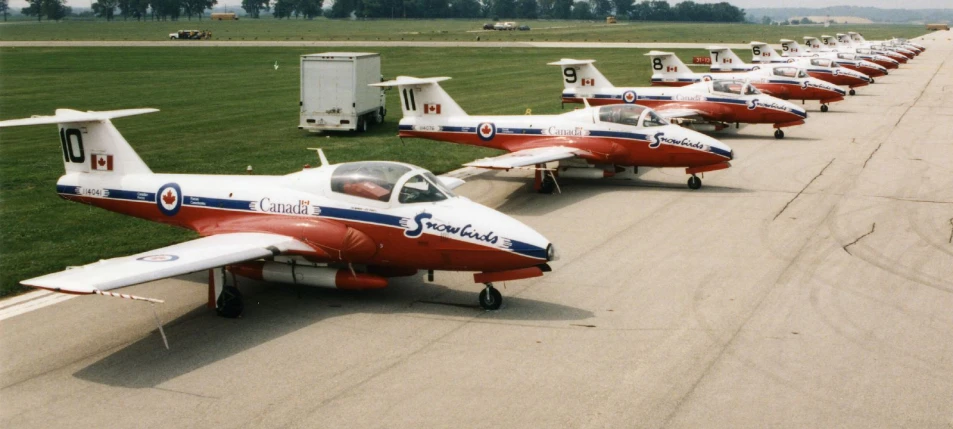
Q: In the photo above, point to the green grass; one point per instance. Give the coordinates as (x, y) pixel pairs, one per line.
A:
(223, 109)
(436, 30)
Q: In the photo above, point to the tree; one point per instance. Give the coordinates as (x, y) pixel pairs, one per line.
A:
(34, 9)
(766, 20)
(283, 8)
(254, 7)
(601, 8)
(105, 9)
(197, 7)
(465, 9)
(4, 8)
(504, 8)
(562, 9)
(527, 9)
(308, 8)
(343, 8)
(167, 9)
(622, 7)
(581, 10)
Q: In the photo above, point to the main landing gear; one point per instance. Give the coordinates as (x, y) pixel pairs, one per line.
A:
(694, 182)
(548, 185)
(490, 298)
(230, 303)
(852, 92)
(778, 134)
(824, 107)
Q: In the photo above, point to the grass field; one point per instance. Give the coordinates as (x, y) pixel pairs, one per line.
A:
(437, 30)
(222, 109)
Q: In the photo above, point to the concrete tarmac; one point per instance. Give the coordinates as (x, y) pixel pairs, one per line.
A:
(809, 286)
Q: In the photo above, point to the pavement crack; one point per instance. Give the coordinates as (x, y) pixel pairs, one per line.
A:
(803, 189)
(951, 231)
(872, 228)
(186, 393)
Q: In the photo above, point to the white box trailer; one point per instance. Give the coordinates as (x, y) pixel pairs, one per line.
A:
(335, 94)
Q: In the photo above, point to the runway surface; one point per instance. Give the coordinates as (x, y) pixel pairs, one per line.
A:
(809, 286)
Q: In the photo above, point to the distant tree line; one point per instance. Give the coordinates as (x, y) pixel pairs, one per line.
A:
(143, 9)
(646, 10)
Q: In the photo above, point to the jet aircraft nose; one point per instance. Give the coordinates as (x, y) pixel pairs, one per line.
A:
(483, 225)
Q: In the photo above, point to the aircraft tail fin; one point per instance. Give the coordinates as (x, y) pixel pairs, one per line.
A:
(724, 59)
(830, 41)
(763, 53)
(667, 64)
(813, 43)
(790, 48)
(424, 97)
(581, 73)
(843, 39)
(90, 142)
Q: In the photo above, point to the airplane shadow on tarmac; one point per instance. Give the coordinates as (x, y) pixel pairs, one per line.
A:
(200, 338)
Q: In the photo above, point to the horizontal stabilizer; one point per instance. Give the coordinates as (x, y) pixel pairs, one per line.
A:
(658, 53)
(570, 62)
(410, 80)
(66, 116)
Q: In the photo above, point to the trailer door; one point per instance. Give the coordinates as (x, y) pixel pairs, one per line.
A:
(328, 87)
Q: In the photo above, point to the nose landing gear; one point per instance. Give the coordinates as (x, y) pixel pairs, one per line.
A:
(694, 182)
(852, 92)
(490, 298)
(778, 134)
(824, 107)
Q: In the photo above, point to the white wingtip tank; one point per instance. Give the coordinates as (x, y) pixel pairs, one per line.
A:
(90, 142)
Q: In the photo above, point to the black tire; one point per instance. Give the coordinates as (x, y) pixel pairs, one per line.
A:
(379, 116)
(361, 125)
(852, 92)
(491, 299)
(873, 81)
(778, 134)
(230, 303)
(548, 186)
(694, 183)
(824, 108)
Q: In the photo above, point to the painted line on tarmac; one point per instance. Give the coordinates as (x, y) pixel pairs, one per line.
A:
(32, 301)
(362, 43)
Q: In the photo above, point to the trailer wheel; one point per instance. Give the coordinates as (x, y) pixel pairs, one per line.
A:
(361, 125)
(379, 116)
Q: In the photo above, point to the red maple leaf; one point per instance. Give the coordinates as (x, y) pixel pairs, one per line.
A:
(486, 129)
(102, 162)
(169, 197)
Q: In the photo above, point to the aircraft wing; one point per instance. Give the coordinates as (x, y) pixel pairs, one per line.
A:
(196, 255)
(525, 157)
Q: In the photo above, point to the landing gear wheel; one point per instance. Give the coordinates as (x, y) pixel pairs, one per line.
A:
(694, 182)
(824, 108)
(852, 92)
(230, 303)
(778, 134)
(872, 80)
(490, 298)
(548, 185)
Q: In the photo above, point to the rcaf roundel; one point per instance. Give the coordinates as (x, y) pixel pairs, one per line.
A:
(169, 199)
(158, 258)
(628, 97)
(486, 131)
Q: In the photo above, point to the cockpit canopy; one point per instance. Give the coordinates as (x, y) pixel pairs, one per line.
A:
(631, 114)
(822, 62)
(845, 56)
(787, 71)
(738, 87)
(377, 180)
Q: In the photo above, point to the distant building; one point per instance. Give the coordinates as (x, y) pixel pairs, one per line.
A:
(935, 27)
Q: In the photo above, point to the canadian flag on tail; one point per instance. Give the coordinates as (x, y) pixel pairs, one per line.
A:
(432, 108)
(588, 82)
(102, 162)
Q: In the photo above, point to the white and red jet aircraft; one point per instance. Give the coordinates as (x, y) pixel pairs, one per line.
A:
(858, 38)
(594, 142)
(704, 106)
(785, 81)
(841, 41)
(725, 60)
(793, 49)
(762, 53)
(348, 226)
(816, 45)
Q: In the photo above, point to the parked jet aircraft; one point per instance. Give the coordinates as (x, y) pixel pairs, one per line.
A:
(859, 38)
(594, 142)
(349, 226)
(836, 44)
(816, 45)
(813, 48)
(785, 81)
(762, 53)
(846, 40)
(724, 60)
(704, 106)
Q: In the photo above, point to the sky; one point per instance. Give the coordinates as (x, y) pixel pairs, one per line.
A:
(885, 4)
